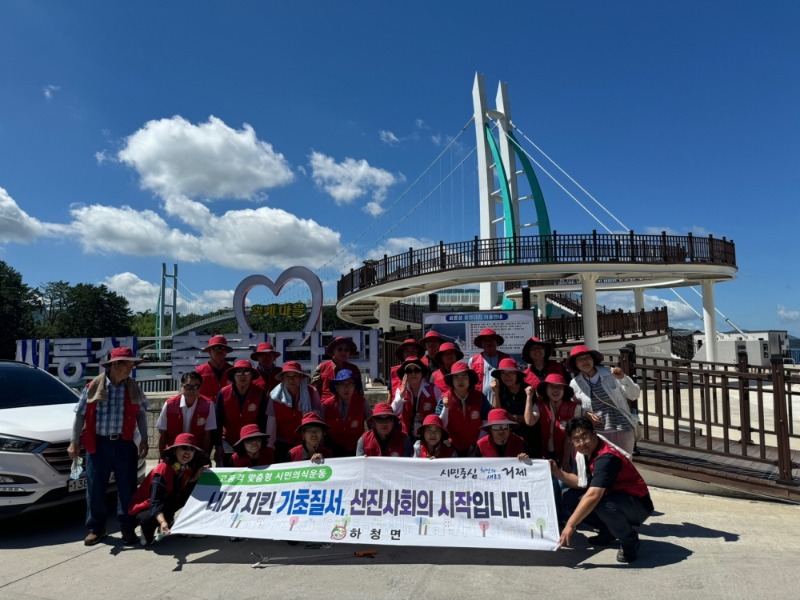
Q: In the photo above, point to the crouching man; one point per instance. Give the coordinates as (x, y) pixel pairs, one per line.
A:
(607, 492)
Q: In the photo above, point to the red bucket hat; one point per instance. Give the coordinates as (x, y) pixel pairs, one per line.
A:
(485, 334)
(383, 409)
(433, 335)
(507, 364)
(185, 439)
(217, 340)
(434, 421)
(238, 365)
(399, 354)
(577, 351)
(498, 416)
(290, 367)
(554, 379)
(412, 360)
(121, 353)
(534, 341)
(447, 346)
(341, 340)
(248, 432)
(311, 419)
(264, 348)
(461, 368)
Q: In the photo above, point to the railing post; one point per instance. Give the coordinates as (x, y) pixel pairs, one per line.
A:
(475, 252)
(781, 423)
(442, 257)
(633, 245)
(691, 247)
(744, 399)
(594, 245)
(664, 246)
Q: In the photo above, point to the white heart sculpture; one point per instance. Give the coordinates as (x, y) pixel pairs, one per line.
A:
(302, 273)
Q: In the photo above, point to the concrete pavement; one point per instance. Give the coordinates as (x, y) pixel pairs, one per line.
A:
(695, 546)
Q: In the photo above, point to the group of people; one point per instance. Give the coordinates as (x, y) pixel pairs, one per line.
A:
(439, 406)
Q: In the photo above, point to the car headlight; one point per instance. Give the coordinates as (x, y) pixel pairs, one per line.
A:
(10, 443)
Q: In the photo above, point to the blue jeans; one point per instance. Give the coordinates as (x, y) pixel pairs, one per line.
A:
(121, 458)
(616, 514)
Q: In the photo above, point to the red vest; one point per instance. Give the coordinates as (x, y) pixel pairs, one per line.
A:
(396, 446)
(464, 426)
(628, 480)
(564, 413)
(202, 406)
(553, 368)
(394, 380)
(211, 383)
(89, 433)
(438, 380)
(299, 453)
(268, 381)
(426, 405)
(445, 450)
(476, 364)
(141, 497)
(288, 420)
(234, 419)
(514, 446)
(327, 373)
(266, 456)
(346, 431)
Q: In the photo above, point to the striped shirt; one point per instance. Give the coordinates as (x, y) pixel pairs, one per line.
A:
(109, 413)
(604, 408)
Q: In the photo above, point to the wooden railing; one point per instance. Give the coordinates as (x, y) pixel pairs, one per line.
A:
(615, 323)
(539, 250)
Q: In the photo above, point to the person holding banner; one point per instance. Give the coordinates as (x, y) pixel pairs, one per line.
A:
(537, 354)
(431, 341)
(463, 408)
(607, 492)
(345, 412)
(554, 408)
(415, 398)
(501, 442)
(511, 392)
(340, 350)
(385, 436)
(487, 360)
(312, 430)
(251, 450)
(444, 359)
(166, 488)
(213, 372)
(242, 403)
(291, 399)
(433, 441)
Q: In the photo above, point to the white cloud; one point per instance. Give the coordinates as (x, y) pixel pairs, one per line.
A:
(50, 90)
(398, 245)
(437, 139)
(786, 315)
(211, 160)
(696, 231)
(680, 315)
(100, 157)
(351, 179)
(143, 295)
(16, 225)
(388, 138)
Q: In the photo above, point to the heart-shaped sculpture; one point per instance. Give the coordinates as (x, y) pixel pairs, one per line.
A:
(302, 273)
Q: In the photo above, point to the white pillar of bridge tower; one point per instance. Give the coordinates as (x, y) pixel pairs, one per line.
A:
(490, 199)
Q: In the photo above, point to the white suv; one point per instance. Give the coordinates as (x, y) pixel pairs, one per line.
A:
(36, 417)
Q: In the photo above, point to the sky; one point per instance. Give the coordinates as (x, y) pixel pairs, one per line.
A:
(239, 138)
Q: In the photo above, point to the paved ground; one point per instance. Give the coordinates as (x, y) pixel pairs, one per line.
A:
(695, 547)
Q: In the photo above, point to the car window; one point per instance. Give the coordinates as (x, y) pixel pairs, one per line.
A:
(24, 386)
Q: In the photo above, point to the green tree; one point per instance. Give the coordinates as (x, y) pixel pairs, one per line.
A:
(53, 298)
(84, 310)
(17, 305)
(144, 324)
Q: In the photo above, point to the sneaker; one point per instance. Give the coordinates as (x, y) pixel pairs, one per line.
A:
(129, 538)
(628, 556)
(93, 538)
(148, 534)
(601, 539)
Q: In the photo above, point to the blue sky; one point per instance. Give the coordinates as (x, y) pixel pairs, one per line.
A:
(245, 137)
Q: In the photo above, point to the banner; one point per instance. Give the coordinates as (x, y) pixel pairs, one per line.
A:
(469, 503)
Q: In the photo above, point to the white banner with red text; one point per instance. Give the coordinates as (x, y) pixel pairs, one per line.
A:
(470, 503)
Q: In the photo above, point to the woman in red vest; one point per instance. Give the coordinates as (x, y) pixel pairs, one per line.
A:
(346, 413)
(312, 430)
(386, 437)
(268, 373)
(213, 372)
(553, 410)
(251, 450)
(444, 359)
(340, 350)
(501, 442)
(431, 341)
(537, 354)
(242, 403)
(463, 408)
(291, 399)
(410, 348)
(433, 441)
(164, 490)
(415, 398)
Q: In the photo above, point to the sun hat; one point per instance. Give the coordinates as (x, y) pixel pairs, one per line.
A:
(311, 419)
(217, 340)
(248, 432)
(290, 367)
(121, 353)
(399, 354)
(342, 375)
(486, 333)
(461, 368)
(341, 340)
(412, 360)
(240, 364)
(507, 364)
(383, 409)
(434, 421)
(554, 379)
(579, 350)
(498, 416)
(535, 341)
(446, 347)
(433, 335)
(264, 348)
(185, 439)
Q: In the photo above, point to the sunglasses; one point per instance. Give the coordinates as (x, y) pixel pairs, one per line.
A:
(253, 440)
(384, 419)
(413, 371)
(219, 349)
(242, 372)
(191, 387)
(186, 448)
(342, 349)
(501, 427)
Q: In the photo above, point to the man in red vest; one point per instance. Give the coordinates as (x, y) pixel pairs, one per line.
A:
(188, 412)
(265, 356)
(608, 493)
(214, 371)
(487, 360)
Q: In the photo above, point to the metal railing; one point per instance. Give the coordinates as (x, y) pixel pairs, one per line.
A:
(537, 250)
(609, 324)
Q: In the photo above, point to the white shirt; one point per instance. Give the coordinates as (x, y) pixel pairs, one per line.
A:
(188, 413)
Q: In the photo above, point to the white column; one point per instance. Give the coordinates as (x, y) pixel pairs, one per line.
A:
(541, 304)
(709, 320)
(638, 299)
(384, 322)
(589, 302)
